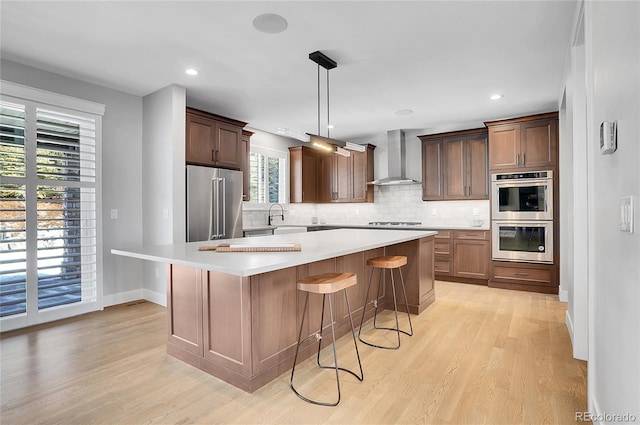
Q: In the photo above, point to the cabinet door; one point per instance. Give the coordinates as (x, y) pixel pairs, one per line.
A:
(341, 179)
(453, 161)
(200, 136)
(504, 147)
(245, 149)
(228, 152)
(324, 179)
(476, 176)
(309, 176)
(471, 259)
(361, 173)
(431, 171)
(538, 144)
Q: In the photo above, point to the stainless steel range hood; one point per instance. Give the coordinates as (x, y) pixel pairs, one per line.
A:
(397, 161)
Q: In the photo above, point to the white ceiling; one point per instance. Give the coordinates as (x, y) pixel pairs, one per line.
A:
(440, 59)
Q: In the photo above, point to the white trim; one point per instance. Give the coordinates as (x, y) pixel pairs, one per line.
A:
(563, 295)
(123, 297)
(50, 98)
(569, 323)
(155, 297)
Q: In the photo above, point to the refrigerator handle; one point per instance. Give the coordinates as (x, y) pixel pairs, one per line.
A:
(223, 195)
(213, 210)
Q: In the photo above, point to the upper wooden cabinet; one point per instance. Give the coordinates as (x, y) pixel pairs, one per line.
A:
(245, 150)
(213, 140)
(454, 165)
(321, 177)
(524, 143)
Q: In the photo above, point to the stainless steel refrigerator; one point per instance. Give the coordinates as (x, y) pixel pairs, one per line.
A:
(214, 203)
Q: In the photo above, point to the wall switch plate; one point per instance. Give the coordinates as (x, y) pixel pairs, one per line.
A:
(626, 214)
(113, 214)
(165, 213)
(475, 211)
(434, 212)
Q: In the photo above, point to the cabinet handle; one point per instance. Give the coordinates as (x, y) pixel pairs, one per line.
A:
(213, 155)
(523, 159)
(521, 274)
(518, 159)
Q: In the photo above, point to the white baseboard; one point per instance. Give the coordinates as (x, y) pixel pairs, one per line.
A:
(122, 297)
(563, 295)
(155, 297)
(569, 323)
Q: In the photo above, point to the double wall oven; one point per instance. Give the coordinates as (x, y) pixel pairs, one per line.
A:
(522, 216)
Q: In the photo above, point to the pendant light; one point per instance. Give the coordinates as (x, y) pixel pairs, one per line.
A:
(318, 141)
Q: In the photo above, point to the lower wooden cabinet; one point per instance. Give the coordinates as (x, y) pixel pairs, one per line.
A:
(524, 276)
(462, 254)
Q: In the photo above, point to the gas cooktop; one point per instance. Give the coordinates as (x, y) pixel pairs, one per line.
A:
(395, 223)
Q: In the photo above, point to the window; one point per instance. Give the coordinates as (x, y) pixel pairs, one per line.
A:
(49, 222)
(268, 181)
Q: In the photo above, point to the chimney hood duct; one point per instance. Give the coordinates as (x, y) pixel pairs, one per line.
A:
(397, 161)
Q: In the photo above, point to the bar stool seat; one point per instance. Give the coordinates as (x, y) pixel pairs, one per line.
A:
(326, 284)
(386, 263)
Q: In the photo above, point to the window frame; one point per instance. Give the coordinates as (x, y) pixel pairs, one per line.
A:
(34, 99)
(270, 153)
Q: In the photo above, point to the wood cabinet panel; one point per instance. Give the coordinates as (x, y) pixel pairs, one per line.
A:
(418, 274)
(538, 144)
(342, 180)
(227, 335)
(245, 151)
(200, 147)
(184, 308)
(274, 298)
(504, 147)
(471, 259)
(432, 186)
(477, 169)
(453, 154)
(528, 274)
(361, 173)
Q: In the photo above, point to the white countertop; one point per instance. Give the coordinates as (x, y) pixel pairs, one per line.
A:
(370, 226)
(316, 246)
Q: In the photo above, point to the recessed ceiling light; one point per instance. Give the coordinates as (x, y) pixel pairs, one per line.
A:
(191, 71)
(496, 97)
(270, 23)
(404, 112)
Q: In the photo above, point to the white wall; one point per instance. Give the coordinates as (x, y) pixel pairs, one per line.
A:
(163, 177)
(613, 93)
(122, 174)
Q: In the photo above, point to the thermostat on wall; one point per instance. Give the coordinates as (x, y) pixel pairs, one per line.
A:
(608, 137)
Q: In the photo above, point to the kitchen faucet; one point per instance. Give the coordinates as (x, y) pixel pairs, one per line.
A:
(281, 215)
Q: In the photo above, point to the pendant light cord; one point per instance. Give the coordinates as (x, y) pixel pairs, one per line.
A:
(318, 99)
(328, 120)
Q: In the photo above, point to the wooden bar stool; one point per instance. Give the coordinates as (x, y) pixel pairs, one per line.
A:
(383, 263)
(326, 284)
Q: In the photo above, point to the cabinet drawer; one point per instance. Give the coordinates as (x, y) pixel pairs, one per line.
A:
(442, 247)
(471, 234)
(442, 265)
(535, 276)
(443, 234)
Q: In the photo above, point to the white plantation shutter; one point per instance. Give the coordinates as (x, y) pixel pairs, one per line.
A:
(49, 210)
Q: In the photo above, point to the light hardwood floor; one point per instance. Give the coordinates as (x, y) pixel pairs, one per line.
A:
(478, 355)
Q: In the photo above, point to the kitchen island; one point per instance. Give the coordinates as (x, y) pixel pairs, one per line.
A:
(235, 315)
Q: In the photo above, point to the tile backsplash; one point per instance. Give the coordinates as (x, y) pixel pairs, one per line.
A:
(392, 203)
